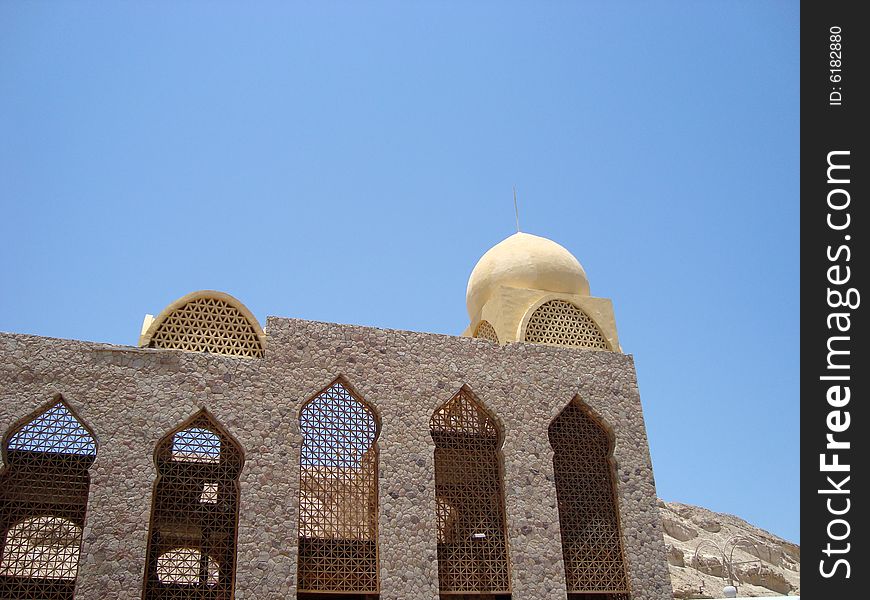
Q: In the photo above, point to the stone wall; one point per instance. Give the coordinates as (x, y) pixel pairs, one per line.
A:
(131, 397)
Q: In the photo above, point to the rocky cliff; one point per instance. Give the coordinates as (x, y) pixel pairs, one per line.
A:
(696, 539)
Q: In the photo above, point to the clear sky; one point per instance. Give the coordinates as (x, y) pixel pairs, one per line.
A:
(350, 162)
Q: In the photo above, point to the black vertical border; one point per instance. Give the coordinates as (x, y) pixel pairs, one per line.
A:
(827, 127)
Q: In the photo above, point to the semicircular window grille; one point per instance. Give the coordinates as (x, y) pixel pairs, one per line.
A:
(338, 494)
(560, 323)
(43, 500)
(192, 537)
(486, 331)
(588, 514)
(469, 495)
(209, 325)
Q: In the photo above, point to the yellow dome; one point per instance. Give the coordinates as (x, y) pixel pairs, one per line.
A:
(525, 261)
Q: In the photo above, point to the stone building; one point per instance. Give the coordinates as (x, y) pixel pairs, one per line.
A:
(306, 460)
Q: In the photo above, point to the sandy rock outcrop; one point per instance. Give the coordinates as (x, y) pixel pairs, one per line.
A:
(696, 539)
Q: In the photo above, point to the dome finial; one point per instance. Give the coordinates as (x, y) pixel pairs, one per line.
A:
(516, 210)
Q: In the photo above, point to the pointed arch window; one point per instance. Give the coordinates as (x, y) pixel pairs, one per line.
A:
(469, 494)
(194, 515)
(588, 513)
(43, 499)
(338, 495)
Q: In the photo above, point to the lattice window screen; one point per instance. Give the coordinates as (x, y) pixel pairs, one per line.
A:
(591, 535)
(560, 323)
(485, 331)
(209, 325)
(43, 499)
(183, 566)
(42, 547)
(472, 543)
(338, 496)
(192, 537)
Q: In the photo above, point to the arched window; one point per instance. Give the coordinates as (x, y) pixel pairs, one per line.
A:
(206, 321)
(485, 331)
(560, 323)
(588, 515)
(43, 499)
(338, 495)
(469, 494)
(192, 537)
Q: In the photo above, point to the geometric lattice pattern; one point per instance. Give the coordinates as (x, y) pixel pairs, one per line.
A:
(183, 566)
(208, 325)
(192, 536)
(43, 499)
(196, 444)
(485, 331)
(472, 543)
(42, 547)
(591, 537)
(56, 431)
(560, 323)
(338, 495)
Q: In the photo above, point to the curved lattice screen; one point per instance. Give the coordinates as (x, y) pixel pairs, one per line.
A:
(338, 495)
(43, 499)
(485, 331)
(560, 323)
(472, 546)
(192, 538)
(208, 324)
(591, 536)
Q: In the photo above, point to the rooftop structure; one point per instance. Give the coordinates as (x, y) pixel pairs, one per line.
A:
(310, 460)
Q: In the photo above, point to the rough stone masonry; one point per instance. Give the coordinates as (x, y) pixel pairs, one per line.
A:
(131, 397)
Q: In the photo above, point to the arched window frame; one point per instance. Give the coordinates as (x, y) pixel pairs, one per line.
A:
(485, 331)
(364, 580)
(204, 492)
(205, 340)
(523, 328)
(475, 575)
(44, 483)
(580, 584)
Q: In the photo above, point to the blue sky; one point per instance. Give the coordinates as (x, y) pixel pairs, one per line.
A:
(350, 162)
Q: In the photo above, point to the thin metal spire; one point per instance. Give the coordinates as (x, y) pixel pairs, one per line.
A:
(516, 210)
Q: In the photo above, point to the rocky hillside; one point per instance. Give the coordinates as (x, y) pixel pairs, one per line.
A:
(764, 564)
